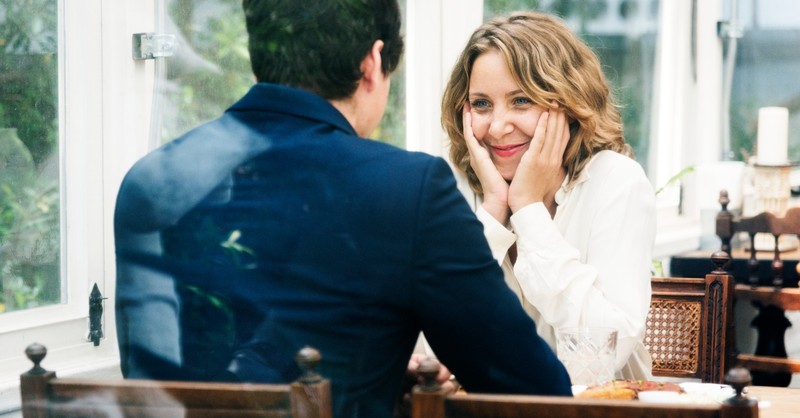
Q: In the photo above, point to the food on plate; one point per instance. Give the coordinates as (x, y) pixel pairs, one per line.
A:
(627, 389)
(615, 389)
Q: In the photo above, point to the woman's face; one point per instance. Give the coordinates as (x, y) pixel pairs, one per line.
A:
(503, 117)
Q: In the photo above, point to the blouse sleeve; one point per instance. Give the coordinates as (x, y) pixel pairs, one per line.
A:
(499, 237)
(612, 287)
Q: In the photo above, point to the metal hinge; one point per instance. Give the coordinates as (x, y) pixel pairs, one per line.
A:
(95, 315)
(147, 46)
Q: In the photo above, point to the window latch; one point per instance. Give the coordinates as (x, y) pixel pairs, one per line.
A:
(147, 46)
(729, 29)
(95, 315)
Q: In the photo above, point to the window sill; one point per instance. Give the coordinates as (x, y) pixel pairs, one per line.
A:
(676, 234)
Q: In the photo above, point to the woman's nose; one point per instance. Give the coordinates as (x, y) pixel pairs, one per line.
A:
(500, 124)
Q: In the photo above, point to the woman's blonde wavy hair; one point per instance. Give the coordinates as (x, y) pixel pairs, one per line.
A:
(549, 63)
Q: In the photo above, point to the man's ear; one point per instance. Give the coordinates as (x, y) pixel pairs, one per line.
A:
(372, 66)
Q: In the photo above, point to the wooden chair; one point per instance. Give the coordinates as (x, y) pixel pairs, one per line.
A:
(769, 363)
(45, 395)
(690, 328)
(429, 400)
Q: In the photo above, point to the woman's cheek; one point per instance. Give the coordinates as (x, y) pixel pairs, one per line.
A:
(480, 124)
(526, 123)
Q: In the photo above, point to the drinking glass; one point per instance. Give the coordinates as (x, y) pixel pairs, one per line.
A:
(588, 353)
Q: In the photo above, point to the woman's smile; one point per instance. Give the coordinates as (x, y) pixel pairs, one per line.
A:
(506, 151)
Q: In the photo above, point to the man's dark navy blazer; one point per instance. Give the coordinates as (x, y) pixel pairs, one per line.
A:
(276, 226)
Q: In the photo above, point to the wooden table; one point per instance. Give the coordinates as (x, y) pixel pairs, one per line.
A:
(783, 402)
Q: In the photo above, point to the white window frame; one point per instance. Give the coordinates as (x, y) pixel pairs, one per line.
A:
(687, 123)
(104, 110)
(428, 67)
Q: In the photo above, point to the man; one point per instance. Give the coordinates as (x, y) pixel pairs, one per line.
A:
(279, 225)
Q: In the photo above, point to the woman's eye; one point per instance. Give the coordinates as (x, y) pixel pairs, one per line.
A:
(480, 104)
(520, 101)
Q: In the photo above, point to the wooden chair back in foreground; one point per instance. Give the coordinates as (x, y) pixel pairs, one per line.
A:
(690, 327)
(45, 395)
(769, 363)
(429, 400)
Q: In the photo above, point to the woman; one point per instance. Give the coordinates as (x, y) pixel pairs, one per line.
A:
(567, 213)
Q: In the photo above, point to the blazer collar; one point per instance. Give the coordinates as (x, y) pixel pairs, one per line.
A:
(275, 98)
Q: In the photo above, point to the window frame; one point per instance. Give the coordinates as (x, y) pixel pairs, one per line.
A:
(104, 109)
(687, 122)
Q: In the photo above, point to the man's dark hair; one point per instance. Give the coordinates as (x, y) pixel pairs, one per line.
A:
(318, 45)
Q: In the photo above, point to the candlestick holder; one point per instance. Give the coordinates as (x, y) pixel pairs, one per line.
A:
(767, 188)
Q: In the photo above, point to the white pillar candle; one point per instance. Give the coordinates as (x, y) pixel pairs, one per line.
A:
(773, 129)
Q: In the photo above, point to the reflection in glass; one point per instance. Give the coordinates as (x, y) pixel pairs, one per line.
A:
(392, 128)
(29, 151)
(208, 73)
(211, 69)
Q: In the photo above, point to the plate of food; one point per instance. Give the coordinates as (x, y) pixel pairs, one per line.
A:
(627, 389)
(658, 392)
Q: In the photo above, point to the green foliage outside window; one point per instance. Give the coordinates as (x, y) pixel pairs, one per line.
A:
(213, 70)
(29, 194)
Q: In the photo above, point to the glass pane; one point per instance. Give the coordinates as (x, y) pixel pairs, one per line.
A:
(767, 62)
(623, 34)
(211, 69)
(392, 128)
(29, 155)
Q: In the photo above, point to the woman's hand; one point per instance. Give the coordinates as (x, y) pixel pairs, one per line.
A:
(495, 187)
(541, 171)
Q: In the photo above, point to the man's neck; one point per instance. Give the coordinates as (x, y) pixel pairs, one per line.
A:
(348, 109)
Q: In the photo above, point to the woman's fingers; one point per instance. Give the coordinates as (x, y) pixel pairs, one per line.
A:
(540, 171)
(480, 160)
(476, 149)
(539, 140)
(558, 125)
(469, 136)
(553, 147)
(495, 187)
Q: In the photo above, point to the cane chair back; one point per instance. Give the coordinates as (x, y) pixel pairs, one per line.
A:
(690, 328)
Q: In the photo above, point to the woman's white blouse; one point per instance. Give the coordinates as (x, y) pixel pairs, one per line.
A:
(590, 264)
